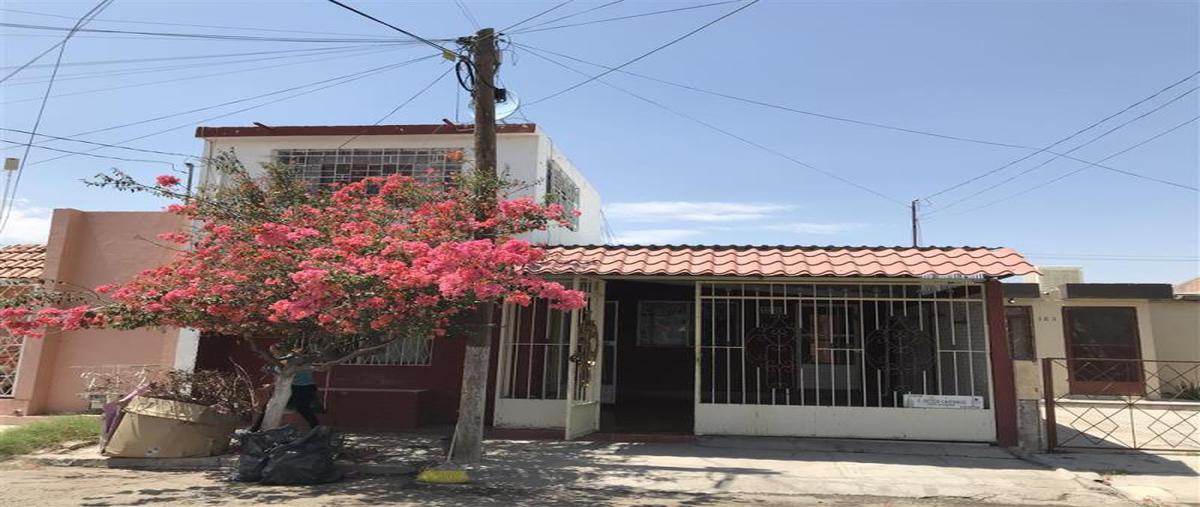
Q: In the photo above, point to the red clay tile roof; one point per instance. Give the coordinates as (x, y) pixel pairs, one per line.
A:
(22, 262)
(356, 130)
(717, 260)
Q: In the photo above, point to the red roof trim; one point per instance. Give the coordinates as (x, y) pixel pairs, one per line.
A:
(356, 130)
(783, 261)
(22, 262)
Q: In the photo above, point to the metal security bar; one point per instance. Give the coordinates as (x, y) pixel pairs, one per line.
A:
(1130, 404)
(539, 338)
(324, 167)
(407, 351)
(839, 344)
(10, 362)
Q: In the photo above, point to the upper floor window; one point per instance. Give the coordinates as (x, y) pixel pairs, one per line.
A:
(561, 190)
(324, 167)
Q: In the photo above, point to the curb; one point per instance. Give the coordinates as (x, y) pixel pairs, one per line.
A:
(211, 463)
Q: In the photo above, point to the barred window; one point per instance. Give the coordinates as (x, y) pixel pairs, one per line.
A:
(409, 351)
(324, 167)
(561, 190)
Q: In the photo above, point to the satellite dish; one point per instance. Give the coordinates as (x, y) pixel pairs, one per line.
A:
(504, 107)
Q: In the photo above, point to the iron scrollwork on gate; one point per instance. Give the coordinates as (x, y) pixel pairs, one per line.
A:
(771, 347)
(901, 354)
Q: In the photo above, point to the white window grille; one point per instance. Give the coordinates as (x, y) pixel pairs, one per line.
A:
(324, 167)
(538, 353)
(408, 351)
(561, 190)
(861, 345)
(10, 361)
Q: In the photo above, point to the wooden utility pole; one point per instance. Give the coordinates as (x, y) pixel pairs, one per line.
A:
(468, 432)
(913, 206)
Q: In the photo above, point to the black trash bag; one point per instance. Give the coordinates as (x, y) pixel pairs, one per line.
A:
(256, 448)
(307, 460)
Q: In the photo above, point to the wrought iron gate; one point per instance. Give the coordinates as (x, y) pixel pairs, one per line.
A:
(1161, 413)
(881, 360)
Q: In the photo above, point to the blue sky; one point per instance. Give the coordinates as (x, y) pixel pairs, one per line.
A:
(1020, 73)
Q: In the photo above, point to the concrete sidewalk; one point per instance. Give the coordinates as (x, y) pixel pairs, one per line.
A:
(1146, 477)
(707, 471)
(788, 467)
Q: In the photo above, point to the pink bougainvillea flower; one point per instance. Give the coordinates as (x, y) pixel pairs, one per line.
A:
(166, 180)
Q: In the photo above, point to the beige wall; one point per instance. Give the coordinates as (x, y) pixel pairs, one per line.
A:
(1176, 329)
(88, 249)
(1050, 342)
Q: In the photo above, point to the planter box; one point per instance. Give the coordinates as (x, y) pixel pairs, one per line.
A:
(156, 428)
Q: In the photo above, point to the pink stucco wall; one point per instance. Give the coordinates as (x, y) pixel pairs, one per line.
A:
(88, 249)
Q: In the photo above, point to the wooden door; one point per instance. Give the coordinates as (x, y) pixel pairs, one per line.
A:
(1103, 351)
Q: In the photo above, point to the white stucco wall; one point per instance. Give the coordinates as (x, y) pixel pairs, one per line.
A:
(522, 157)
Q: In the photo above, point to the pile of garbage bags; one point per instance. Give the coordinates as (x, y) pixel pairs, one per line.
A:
(286, 456)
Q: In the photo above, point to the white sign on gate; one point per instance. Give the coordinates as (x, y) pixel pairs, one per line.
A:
(942, 401)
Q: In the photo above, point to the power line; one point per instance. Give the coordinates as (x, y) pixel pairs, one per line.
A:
(844, 119)
(191, 25)
(86, 154)
(1081, 169)
(193, 65)
(362, 52)
(402, 104)
(646, 54)
(94, 10)
(332, 82)
(1094, 139)
(745, 140)
(208, 36)
(535, 16)
(466, 12)
(105, 145)
(441, 48)
(533, 29)
(1060, 141)
(245, 99)
(6, 201)
(580, 13)
(1116, 258)
(193, 57)
(782, 107)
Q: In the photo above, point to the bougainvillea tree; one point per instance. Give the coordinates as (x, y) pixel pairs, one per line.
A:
(316, 277)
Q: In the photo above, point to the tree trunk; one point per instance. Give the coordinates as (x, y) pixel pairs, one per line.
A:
(468, 432)
(280, 393)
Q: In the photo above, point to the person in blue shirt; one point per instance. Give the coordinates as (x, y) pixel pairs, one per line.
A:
(304, 393)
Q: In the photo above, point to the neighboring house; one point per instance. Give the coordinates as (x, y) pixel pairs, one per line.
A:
(867, 342)
(1189, 287)
(85, 249)
(1100, 348)
(329, 154)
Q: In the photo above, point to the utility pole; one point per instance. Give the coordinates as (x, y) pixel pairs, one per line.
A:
(913, 207)
(467, 446)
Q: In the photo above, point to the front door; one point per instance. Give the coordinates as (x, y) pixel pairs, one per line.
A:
(584, 363)
(1103, 351)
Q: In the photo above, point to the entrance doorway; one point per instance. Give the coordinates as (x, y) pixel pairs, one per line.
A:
(649, 361)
